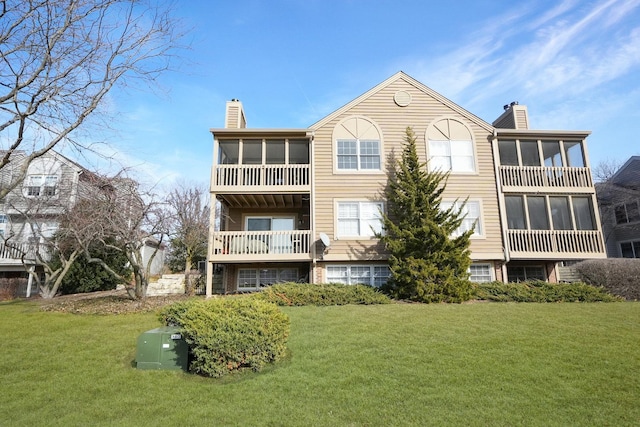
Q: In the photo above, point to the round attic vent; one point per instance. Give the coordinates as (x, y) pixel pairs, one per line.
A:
(402, 98)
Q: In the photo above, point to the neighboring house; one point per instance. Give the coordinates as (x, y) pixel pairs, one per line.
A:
(619, 201)
(29, 213)
(303, 204)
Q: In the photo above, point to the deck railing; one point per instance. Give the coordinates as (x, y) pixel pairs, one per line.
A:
(556, 241)
(18, 250)
(266, 244)
(542, 176)
(261, 175)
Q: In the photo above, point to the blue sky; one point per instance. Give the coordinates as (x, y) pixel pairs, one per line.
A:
(575, 64)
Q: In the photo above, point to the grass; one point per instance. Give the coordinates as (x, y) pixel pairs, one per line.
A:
(399, 364)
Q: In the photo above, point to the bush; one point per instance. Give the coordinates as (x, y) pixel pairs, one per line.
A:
(296, 294)
(540, 291)
(229, 334)
(422, 280)
(10, 288)
(619, 276)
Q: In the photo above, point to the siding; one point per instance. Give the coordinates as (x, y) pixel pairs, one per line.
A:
(392, 121)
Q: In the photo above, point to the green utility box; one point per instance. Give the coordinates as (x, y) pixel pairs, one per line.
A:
(162, 348)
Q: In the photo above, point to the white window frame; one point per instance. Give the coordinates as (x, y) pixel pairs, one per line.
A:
(257, 274)
(349, 279)
(39, 185)
(489, 278)
(359, 155)
(361, 223)
(467, 223)
(449, 160)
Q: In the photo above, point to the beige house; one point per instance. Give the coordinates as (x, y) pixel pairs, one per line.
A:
(303, 204)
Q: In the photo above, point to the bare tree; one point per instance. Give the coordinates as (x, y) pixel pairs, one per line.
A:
(125, 219)
(50, 250)
(604, 170)
(190, 224)
(60, 58)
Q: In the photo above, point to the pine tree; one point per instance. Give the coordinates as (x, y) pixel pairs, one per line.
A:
(427, 264)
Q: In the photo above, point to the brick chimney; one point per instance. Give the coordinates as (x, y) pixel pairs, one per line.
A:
(234, 117)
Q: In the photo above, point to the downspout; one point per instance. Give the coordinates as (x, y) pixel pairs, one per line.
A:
(312, 204)
(501, 205)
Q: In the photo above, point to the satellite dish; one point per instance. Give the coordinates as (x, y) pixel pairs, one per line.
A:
(325, 240)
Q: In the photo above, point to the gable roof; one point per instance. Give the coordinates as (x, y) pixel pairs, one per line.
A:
(629, 174)
(400, 75)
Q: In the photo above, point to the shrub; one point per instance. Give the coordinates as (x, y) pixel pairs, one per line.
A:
(10, 287)
(422, 280)
(297, 294)
(619, 276)
(229, 334)
(540, 291)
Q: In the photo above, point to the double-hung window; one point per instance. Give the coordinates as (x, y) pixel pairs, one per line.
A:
(471, 213)
(359, 219)
(356, 154)
(450, 147)
(454, 156)
(372, 275)
(41, 185)
(480, 273)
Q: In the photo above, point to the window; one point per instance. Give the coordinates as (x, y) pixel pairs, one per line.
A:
(359, 219)
(630, 249)
(41, 185)
(354, 154)
(583, 213)
(450, 147)
(515, 212)
(508, 153)
(552, 153)
(455, 156)
(524, 273)
(560, 213)
(358, 145)
(627, 212)
(471, 213)
(557, 208)
(480, 273)
(372, 275)
(250, 279)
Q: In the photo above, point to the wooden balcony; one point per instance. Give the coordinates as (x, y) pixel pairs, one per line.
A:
(261, 178)
(261, 246)
(555, 244)
(548, 179)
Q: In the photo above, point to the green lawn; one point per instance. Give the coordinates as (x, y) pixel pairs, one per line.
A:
(485, 364)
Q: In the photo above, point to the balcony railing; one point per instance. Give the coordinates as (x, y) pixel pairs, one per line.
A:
(542, 176)
(559, 244)
(261, 245)
(254, 177)
(15, 252)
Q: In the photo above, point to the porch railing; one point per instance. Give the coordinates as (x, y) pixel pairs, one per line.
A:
(264, 243)
(556, 241)
(18, 250)
(542, 176)
(261, 175)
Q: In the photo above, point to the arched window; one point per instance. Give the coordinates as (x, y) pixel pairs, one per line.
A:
(358, 145)
(450, 147)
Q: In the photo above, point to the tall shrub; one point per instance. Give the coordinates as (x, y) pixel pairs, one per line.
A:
(428, 258)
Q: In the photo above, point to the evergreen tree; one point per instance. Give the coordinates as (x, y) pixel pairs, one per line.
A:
(428, 262)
